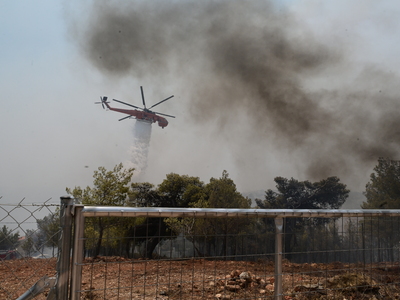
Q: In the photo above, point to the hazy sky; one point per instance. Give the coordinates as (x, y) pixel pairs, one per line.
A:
(303, 89)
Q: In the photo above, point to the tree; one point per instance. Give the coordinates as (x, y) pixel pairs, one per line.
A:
(222, 193)
(383, 189)
(210, 236)
(383, 192)
(175, 191)
(180, 190)
(8, 239)
(293, 194)
(111, 188)
(29, 245)
(49, 227)
(144, 194)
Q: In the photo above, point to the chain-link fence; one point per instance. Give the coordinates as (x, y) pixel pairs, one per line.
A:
(29, 237)
(171, 253)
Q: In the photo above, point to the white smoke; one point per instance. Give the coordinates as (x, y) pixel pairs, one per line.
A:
(139, 151)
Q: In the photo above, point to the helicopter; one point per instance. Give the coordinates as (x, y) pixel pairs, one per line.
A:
(139, 113)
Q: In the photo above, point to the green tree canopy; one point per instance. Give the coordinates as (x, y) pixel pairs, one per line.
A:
(111, 188)
(114, 188)
(174, 191)
(383, 189)
(8, 238)
(144, 194)
(29, 245)
(222, 193)
(180, 190)
(49, 228)
(218, 193)
(383, 192)
(293, 194)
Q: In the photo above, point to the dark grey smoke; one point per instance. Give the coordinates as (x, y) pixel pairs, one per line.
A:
(251, 58)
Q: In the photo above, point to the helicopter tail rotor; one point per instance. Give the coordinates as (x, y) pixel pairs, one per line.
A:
(103, 101)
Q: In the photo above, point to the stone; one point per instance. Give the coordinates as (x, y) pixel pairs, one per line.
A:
(262, 283)
(232, 288)
(223, 297)
(246, 276)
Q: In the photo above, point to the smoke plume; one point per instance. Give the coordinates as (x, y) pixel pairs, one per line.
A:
(254, 63)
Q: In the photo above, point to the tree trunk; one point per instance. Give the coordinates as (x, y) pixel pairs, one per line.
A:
(156, 238)
(288, 237)
(101, 232)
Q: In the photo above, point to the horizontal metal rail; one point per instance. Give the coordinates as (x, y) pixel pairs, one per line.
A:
(118, 211)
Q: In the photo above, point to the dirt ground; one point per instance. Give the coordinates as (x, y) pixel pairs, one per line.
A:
(119, 278)
(18, 275)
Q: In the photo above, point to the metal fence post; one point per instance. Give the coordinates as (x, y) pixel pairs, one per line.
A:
(278, 258)
(63, 263)
(78, 254)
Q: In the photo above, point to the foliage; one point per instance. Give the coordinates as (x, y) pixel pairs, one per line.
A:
(144, 195)
(210, 236)
(222, 193)
(175, 191)
(29, 246)
(293, 194)
(49, 227)
(180, 190)
(111, 188)
(383, 192)
(383, 189)
(8, 238)
(218, 193)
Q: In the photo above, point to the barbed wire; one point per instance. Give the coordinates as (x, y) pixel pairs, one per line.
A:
(32, 204)
(19, 204)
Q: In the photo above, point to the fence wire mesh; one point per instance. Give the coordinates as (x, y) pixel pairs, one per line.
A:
(28, 245)
(159, 254)
(233, 258)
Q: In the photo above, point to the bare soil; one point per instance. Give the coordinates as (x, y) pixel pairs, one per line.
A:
(119, 278)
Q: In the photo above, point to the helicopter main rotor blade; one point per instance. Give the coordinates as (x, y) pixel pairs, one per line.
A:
(124, 118)
(163, 114)
(141, 90)
(127, 104)
(162, 101)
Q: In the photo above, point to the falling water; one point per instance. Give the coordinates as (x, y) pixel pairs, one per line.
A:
(140, 147)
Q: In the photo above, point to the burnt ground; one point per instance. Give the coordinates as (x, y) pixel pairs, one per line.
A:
(119, 278)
